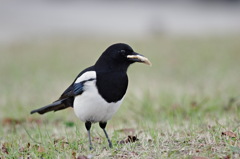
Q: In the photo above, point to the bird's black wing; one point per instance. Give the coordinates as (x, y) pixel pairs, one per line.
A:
(67, 98)
(75, 88)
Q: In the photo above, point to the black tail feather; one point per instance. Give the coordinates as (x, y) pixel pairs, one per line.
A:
(55, 106)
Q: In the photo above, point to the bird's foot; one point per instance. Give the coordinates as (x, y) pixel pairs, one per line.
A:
(110, 144)
(90, 148)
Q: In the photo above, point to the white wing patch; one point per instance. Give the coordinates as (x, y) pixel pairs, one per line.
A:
(86, 76)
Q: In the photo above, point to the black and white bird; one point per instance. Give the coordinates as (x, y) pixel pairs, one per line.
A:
(98, 91)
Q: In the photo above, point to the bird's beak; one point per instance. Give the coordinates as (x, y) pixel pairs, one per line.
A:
(136, 57)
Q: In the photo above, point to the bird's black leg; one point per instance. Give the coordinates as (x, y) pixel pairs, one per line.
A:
(103, 125)
(88, 127)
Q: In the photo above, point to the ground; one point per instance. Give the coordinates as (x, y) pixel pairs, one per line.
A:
(185, 106)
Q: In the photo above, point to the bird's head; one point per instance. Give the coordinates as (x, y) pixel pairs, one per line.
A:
(120, 56)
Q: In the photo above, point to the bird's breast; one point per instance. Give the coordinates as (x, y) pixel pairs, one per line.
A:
(112, 86)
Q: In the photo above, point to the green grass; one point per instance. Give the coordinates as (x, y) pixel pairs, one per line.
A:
(178, 108)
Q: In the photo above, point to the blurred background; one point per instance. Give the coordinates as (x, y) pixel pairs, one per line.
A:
(182, 105)
(194, 46)
(27, 19)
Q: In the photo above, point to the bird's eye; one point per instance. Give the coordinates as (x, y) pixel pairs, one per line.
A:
(122, 51)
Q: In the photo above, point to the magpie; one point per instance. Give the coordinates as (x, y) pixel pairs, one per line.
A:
(98, 91)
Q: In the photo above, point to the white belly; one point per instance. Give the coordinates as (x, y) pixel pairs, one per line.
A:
(90, 106)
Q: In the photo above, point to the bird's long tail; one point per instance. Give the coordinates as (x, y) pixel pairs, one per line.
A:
(55, 106)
